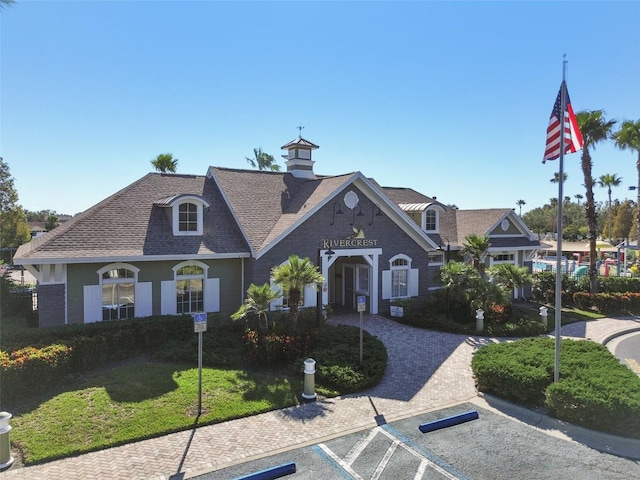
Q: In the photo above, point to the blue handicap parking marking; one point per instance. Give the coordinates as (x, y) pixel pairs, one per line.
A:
(383, 452)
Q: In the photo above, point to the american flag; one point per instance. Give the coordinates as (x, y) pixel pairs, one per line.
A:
(572, 135)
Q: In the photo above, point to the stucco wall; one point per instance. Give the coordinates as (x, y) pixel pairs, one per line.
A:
(228, 270)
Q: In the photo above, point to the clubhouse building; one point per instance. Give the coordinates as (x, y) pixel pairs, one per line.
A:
(176, 243)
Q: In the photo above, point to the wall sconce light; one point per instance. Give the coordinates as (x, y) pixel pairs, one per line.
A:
(338, 212)
(377, 214)
(359, 214)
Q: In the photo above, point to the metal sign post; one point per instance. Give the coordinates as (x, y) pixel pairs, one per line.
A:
(361, 307)
(199, 326)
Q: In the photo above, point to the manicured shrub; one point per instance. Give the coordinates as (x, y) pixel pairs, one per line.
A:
(30, 371)
(271, 349)
(517, 371)
(595, 390)
(337, 357)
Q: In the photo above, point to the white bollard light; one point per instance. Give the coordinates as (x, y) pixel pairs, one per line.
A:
(479, 320)
(543, 316)
(5, 453)
(309, 379)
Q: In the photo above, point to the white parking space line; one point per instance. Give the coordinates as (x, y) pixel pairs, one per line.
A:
(339, 461)
(396, 441)
(357, 449)
(385, 460)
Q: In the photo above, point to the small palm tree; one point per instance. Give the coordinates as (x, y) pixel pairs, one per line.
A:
(293, 277)
(476, 247)
(510, 276)
(263, 161)
(578, 197)
(258, 302)
(594, 129)
(607, 181)
(520, 203)
(165, 163)
(628, 138)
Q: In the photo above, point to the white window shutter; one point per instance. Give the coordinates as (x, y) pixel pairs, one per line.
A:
(169, 298)
(212, 295)
(277, 303)
(92, 303)
(414, 282)
(386, 284)
(310, 296)
(143, 299)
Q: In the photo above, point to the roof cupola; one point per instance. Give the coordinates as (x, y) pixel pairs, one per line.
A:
(299, 163)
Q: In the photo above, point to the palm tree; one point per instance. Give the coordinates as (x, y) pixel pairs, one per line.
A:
(165, 163)
(510, 275)
(476, 247)
(556, 177)
(293, 277)
(520, 203)
(628, 138)
(263, 161)
(258, 302)
(578, 197)
(607, 181)
(594, 129)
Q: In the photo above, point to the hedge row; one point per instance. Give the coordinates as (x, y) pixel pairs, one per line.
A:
(31, 370)
(608, 303)
(595, 390)
(39, 358)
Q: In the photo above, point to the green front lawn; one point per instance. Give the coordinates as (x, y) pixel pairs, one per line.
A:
(143, 400)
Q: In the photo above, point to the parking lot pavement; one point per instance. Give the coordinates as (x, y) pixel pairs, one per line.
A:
(494, 446)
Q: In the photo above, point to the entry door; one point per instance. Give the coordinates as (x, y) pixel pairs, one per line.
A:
(349, 276)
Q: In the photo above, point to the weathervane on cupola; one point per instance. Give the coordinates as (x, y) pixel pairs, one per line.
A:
(299, 163)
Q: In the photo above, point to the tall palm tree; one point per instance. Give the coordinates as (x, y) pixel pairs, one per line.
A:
(556, 177)
(258, 302)
(476, 247)
(165, 163)
(263, 161)
(520, 203)
(293, 277)
(607, 181)
(628, 138)
(594, 128)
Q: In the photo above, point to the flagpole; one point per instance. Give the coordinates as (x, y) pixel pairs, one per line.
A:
(558, 299)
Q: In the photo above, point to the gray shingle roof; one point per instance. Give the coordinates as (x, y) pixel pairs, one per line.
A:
(249, 211)
(266, 204)
(131, 224)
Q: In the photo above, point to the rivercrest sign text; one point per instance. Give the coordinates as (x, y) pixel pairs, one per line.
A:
(348, 242)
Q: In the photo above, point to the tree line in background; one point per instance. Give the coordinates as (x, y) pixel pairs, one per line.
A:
(595, 129)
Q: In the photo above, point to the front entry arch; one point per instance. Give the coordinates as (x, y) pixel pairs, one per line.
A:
(370, 256)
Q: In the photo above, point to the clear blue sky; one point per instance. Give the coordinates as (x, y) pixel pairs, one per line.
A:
(449, 98)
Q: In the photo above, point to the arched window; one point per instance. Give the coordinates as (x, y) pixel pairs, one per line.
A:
(188, 217)
(118, 291)
(400, 266)
(190, 278)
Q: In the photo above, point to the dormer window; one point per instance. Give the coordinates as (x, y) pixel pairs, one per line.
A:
(427, 215)
(185, 213)
(431, 221)
(188, 217)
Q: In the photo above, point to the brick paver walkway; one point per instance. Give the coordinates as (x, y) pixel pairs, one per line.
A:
(426, 370)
